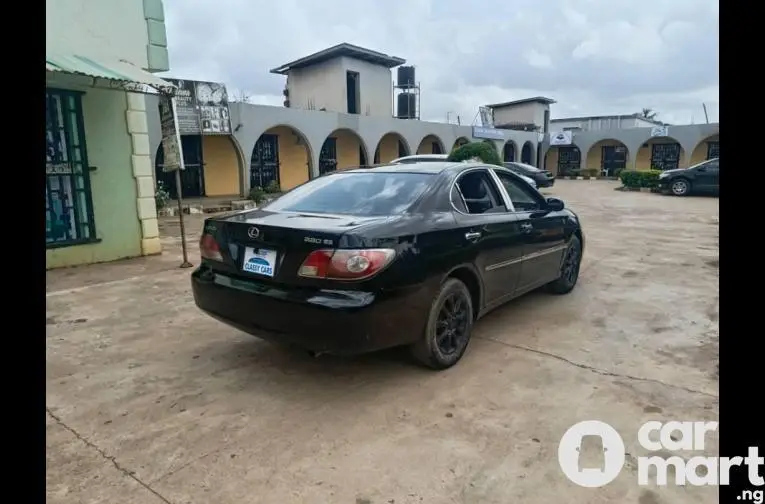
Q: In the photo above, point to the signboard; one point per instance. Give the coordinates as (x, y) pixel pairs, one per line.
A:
(202, 108)
(171, 137)
(212, 100)
(487, 117)
(561, 138)
(488, 133)
(186, 107)
(660, 131)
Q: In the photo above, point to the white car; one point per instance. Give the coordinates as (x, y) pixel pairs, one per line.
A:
(440, 158)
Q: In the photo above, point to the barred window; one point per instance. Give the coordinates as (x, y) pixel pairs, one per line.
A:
(68, 200)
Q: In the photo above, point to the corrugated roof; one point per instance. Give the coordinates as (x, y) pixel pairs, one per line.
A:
(536, 99)
(113, 70)
(344, 49)
(622, 116)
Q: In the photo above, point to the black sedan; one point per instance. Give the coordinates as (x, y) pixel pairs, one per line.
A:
(700, 178)
(543, 178)
(369, 258)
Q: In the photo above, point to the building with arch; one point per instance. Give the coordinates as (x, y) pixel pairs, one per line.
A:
(319, 129)
(610, 150)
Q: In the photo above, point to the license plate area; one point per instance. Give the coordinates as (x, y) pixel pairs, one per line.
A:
(259, 261)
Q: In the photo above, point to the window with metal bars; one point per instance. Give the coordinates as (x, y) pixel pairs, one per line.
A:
(68, 199)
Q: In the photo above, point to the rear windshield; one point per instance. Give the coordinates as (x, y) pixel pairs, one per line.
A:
(363, 194)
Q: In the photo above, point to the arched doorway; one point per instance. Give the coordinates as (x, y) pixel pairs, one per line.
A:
(342, 149)
(526, 152)
(281, 159)
(660, 153)
(460, 142)
(391, 146)
(192, 176)
(431, 144)
(709, 148)
(608, 156)
(508, 152)
(563, 161)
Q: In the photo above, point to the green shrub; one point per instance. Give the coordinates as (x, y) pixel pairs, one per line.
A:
(482, 150)
(637, 179)
(589, 172)
(258, 195)
(273, 187)
(161, 196)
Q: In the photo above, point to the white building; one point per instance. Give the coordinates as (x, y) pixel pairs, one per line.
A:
(344, 78)
(602, 123)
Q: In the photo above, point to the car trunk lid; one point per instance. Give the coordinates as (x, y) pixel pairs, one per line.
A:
(271, 246)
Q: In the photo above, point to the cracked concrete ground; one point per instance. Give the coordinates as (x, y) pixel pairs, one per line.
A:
(150, 401)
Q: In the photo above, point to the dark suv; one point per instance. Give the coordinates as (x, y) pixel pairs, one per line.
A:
(699, 178)
(543, 178)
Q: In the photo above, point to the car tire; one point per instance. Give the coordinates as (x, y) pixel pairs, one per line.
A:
(680, 187)
(569, 268)
(431, 349)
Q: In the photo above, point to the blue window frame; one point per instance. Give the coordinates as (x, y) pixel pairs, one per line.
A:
(68, 199)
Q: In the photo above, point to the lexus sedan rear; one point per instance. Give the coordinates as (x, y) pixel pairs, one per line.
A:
(366, 259)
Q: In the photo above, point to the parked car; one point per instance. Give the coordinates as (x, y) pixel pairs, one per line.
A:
(700, 178)
(542, 178)
(370, 258)
(440, 158)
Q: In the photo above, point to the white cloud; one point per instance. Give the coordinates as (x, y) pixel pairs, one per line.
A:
(538, 59)
(592, 56)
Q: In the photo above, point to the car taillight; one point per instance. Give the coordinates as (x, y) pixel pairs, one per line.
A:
(209, 249)
(344, 264)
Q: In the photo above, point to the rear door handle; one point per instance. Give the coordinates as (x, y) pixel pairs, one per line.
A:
(526, 227)
(472, 235)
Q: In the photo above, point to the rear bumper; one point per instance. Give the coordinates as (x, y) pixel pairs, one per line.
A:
(331, 321)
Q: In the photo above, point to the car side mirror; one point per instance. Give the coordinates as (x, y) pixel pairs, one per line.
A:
(555, 204)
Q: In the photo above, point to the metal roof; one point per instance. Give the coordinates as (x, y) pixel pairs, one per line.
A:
(623, 116)
(344, 49)
(120, 71)
(537, 99)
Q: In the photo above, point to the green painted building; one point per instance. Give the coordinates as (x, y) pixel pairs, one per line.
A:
(99, 183)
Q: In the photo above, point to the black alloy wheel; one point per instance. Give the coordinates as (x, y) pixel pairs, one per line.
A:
(569, 269)
(448, 329)
(452, 324)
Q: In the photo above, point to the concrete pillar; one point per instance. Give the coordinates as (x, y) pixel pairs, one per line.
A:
(143, 173)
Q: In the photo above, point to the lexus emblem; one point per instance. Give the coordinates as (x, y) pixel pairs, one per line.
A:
(253, 232)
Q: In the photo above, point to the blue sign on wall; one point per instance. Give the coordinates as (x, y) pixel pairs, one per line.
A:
(488, 133)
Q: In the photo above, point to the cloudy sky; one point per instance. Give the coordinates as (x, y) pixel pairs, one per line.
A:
(595, 57)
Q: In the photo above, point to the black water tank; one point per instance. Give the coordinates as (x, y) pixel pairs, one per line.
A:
(406, 76)
(407, 106)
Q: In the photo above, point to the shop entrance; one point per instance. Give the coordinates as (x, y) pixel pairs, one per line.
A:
(264, 165)
(192, 177)
(665, 156)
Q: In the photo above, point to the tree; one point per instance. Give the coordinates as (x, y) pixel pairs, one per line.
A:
(648, 113)
(484, 151)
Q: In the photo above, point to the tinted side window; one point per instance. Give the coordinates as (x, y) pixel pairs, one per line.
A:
(713, 165)
(479, 193)
(520, 194)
